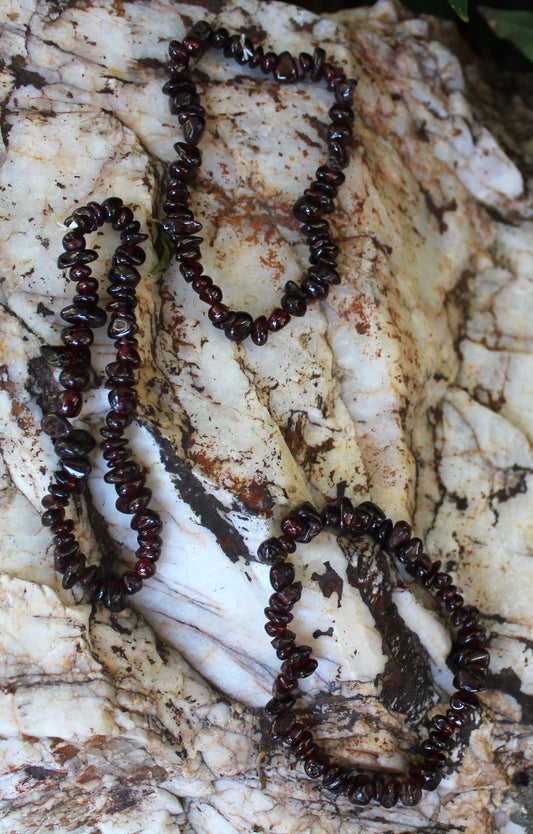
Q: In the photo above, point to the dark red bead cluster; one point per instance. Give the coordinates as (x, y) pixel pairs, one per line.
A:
(73, 445)
(469, 655)
(310, 209)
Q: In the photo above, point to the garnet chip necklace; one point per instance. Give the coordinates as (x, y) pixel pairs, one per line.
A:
(469, 657)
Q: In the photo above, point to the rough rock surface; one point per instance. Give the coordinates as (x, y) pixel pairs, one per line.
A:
(411, 384)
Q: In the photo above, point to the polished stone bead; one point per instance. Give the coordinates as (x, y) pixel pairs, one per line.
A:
(464, 701)
(176, 51)
(69, 403)
(183, 94)
(335, 778)
(193, 127)
(324, 274)
(122, 473)
(77, 442)
(441, 724)
(341, 113)
(76, 466)
(285, 70)
(467, 616)
(188, 154)
(123, 218)
(270, 552)
(129, 255)
(319, 56)
(306, 210)
(61, 356)
(145, 568)
(134, 504)
(289, 595)
(54, 425)
(278, 319)
(79, 256)
(124, 274)
(470, 680)
(330, 175)
(147, 519)
(295, 305)
(180, 225)
(54, 501)
(219, 38)
(82, 313)
(314, 766)
(220, 316)
(281, 575)
(78, 337)
(79, 272)
(399, 537)
(317, 194)
(82, 219)
(314, 289)
(386, 791)
(239, 327)
(73, 241)
(74, 568)
(111, 207)
(114, 594)
(52, 516)
(340, 131)
(478, 658)
(127, 353)
(283, 724)
(268, 62)
(344, 91)
(259, 331)
(410, 551)
(279, 704)
(410, 790)
(122, 325)
(123, 296)
(75, 376)
(87, 287)
(91, 579)
(132, 582)
(473, 635)
(360, 789)
(123, 399)
(257, 56)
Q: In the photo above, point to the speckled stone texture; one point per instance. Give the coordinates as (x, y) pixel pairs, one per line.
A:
(411, 384)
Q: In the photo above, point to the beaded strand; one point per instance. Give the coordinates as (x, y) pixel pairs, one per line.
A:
(73, 445)
(469, 655)
(309, 210)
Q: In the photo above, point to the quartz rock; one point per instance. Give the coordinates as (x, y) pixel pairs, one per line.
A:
(408, 384)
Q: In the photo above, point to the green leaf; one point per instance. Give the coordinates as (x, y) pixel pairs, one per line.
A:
(514, 26)
(460, 7)
(164, 245)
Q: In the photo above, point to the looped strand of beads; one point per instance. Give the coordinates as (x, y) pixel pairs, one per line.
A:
(469, 656)
(310, 209)
(73, 445)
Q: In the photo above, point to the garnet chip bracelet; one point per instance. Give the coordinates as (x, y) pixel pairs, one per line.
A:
(309, 209)
(469, 656)
(73, 445)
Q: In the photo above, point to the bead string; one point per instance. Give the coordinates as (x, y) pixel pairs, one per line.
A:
(469, 655)
(309, 209)
(73, 445)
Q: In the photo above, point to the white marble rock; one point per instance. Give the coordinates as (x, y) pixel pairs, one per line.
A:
(411, 385)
